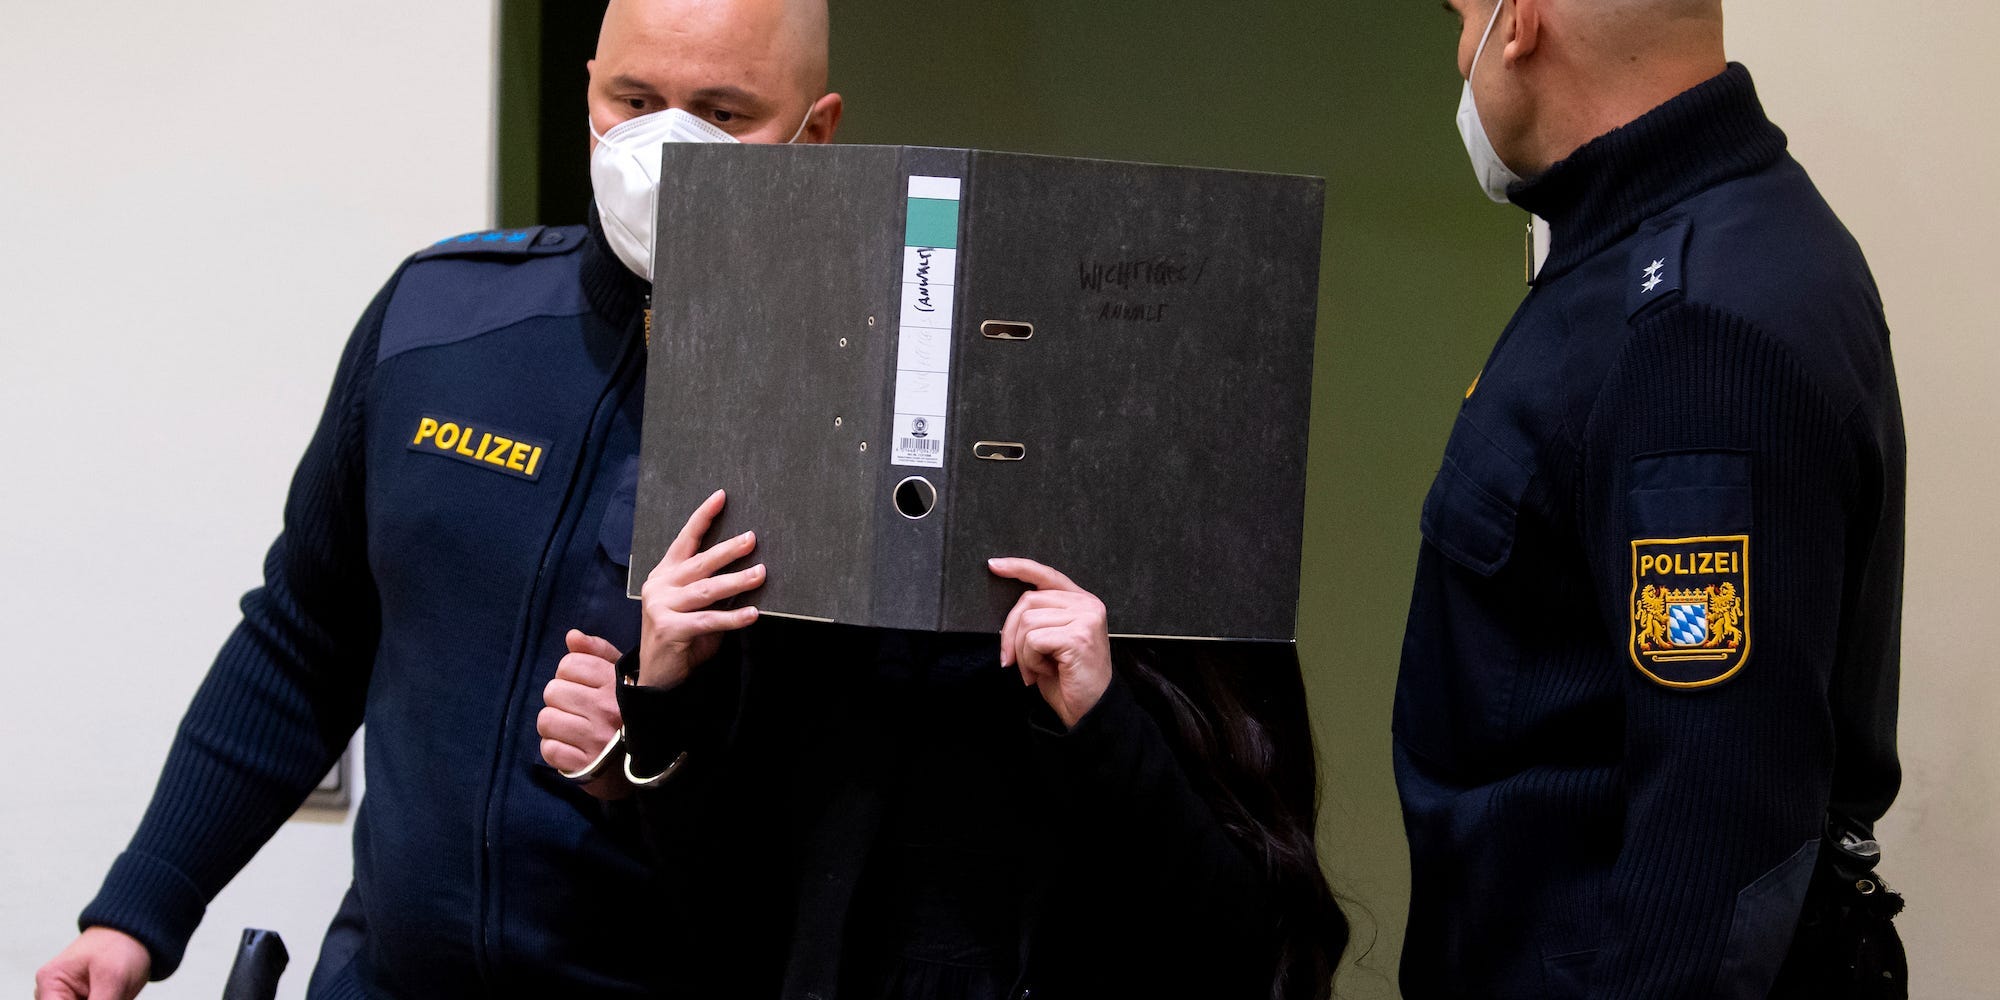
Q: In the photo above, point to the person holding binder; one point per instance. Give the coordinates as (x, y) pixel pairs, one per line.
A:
(871, 813)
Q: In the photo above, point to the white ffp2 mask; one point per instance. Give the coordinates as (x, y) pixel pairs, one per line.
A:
(1495, 177)
(625, 178)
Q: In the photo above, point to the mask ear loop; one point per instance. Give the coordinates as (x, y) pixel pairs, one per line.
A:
(1483, 39)
(803, 122)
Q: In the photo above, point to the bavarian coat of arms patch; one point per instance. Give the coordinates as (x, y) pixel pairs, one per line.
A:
(1691, 608)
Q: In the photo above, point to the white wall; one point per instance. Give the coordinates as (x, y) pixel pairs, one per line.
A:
(199, 199)
(1891, 107)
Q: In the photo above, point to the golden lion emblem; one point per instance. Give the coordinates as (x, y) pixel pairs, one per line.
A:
(1725, 617)
(1652, 618)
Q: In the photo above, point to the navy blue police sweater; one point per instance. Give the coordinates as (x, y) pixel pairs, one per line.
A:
(1654, 634)
(465, 500)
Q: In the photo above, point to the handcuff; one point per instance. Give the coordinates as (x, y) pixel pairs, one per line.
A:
(592, 771)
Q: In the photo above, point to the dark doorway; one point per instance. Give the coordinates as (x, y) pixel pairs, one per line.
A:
(544, 172)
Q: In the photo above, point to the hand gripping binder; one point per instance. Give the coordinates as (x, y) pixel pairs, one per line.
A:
(901, 361)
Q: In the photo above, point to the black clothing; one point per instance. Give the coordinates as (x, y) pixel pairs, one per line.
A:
(877, 814)
(937, 912)
(1654, 633)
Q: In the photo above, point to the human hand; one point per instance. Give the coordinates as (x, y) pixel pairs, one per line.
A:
(1058, 638)
(580, 718)
(679, 631)
(101, 964)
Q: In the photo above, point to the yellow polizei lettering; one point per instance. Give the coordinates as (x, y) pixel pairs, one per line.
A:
(1691, 564)
(467, 442)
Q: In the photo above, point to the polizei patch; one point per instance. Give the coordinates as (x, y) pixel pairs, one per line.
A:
(481, 446)
(1691, 608)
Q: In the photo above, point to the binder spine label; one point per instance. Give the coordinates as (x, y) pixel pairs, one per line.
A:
(923, 340)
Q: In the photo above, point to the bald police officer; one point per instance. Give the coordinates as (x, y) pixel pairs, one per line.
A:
(1649, 680)
(463, 509)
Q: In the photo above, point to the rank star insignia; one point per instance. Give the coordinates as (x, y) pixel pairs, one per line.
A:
(1653, 278)
(1691, 609)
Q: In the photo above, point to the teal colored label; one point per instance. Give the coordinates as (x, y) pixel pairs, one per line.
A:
(933, 222)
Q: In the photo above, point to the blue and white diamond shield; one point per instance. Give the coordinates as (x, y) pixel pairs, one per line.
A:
(1687, 624)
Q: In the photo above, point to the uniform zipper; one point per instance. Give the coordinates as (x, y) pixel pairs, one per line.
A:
(534, 608)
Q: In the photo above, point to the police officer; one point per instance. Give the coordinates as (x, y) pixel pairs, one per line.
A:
(1651, 660)
(464, 503)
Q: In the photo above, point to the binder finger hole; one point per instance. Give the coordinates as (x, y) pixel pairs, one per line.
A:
(915, 497)
(999, 329)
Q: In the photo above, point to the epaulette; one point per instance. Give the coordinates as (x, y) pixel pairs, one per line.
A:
(463, 287)
(531, 241)
(1659, 259)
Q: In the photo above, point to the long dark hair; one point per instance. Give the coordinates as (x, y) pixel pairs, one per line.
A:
(1237, 717)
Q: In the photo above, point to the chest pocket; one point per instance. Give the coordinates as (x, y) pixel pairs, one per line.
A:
(604, 609)
(1472, 510)
(614, 535)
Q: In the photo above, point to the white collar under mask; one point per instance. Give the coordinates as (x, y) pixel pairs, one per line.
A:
(625, 176)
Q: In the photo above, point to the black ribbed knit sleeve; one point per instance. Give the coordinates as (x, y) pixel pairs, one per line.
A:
(1725, 785)
(281, 700)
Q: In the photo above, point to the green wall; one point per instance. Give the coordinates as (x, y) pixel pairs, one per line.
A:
(1420, 272)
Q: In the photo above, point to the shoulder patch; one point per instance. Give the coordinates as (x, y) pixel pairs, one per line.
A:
(1690, 609)
(532, 241)
(1658, 261)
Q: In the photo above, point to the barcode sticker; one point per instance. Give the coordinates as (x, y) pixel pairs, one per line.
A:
(919, 441)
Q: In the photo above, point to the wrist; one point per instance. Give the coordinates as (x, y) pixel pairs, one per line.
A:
(1078, 703)
(664, 676)
(659, 668)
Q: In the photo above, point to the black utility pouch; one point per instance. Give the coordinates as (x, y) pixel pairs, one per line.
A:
(1846, 946)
